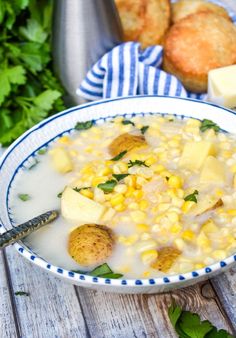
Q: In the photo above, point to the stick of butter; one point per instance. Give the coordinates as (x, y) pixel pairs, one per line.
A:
(222, 86)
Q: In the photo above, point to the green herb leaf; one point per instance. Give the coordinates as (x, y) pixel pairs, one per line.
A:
(79, 189)
(119, 156)
(144, 129)
(80, 271)
(60, 194)
(10, 77)
(218, 334)
(138, 163)
(208, 124)
(21, 293)
(108, 186)
(112, 275)
(192, 197)
(24, 197)
(100, 270)
(127, 122)
(33, 31)
(42, 151)
(174, 313)
(84, 125)
(119, 177)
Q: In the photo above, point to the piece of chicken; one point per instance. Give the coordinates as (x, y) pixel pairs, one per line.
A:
(91, 244)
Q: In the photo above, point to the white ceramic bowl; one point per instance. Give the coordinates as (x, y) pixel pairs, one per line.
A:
(50, 129)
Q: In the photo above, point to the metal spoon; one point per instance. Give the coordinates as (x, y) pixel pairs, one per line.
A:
(27, 228)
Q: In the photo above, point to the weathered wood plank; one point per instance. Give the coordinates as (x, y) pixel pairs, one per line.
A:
(112, 315)
(7, 325)
(52, 309)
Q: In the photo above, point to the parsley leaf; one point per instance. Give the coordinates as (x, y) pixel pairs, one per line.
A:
(101, 271)
(138, 163)
(42, 151)
(128, 122)
(119, 156)
(60, 194)
(21, 293)
(208, 124)
(24, 197)
(144, 129)
(218, 334)
(120, 177)
(84, 125)
(192, 197)
(79, 189)
(8, 77)
(108, 186)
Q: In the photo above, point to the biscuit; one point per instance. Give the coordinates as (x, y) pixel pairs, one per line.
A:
(197, 44)
(183, 8)
(145, 21)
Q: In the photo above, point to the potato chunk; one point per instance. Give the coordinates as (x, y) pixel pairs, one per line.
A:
(166, 258)
(91, 244)
(206, 204)
(126, 142)
(78, 208)
(61, 160)
(213, 171)
(195, 153)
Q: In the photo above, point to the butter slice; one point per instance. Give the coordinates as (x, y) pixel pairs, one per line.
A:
(222, 86)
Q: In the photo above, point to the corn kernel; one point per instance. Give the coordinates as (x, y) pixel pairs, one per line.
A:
(98, 180)
(64, 140)
(188, 235)
(145, 245)
(150, 160)
(138, 216)
(179, 243)
(140, 181)
(130, 181)
(121, 188)
(108, 215)
(133, 206)
(73, 153)
(226, 153)
(180, 193)
(117, 199)
(176, 228)
(203, 241)
(142, 227)
(231, 212)
(193, 122)
(148, 256)
(146, 274)
(175, 182)
(163, 206)
(128, 240)
(87, 193)
(144, 236)
(165, 173)
(158, 168)
(120, 207)
(187, 206)
(143, 205)
(173, 217)
(137, 194)
(209, 227)
(104, 171)
(129, 192)
(233, 169)
(199, 266)
(218, 254)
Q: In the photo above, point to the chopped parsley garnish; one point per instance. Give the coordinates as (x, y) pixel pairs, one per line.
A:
(36, 162)
(127, 122)
(84, 125)
(24, 197)
(144, 129)
(120, 177)
(60, 194)
(119, 156)
(208, 124)
(189, 325)
(101, 271)
(138, 163)
(192, 197)
(79, 189)
(42, 151)
(171, 120)
(108, 186)
(21, 293)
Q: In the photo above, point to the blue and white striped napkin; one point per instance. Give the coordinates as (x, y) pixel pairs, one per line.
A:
(129, 70)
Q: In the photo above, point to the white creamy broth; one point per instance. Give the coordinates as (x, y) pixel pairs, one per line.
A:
(147, 210)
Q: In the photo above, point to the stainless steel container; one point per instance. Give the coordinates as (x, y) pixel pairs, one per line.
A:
(83, 30)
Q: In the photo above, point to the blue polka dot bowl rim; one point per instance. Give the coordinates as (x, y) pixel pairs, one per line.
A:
(50, 129)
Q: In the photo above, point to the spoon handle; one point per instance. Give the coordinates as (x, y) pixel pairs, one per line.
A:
(26, 228)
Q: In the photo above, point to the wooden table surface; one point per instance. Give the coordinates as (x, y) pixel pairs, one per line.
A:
(57, 309)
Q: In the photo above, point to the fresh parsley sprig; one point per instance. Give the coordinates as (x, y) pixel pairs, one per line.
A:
(189, 325)
(101, 271)
(119, 156)
(192, 197)
(208, 124)
(108, 186)
(138, 163)
(128, 122)
(144, 129)
(84, 125)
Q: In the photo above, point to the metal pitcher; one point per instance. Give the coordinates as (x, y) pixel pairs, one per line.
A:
(83, 30)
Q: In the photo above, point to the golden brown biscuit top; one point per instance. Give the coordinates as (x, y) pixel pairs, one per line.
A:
(201, 42)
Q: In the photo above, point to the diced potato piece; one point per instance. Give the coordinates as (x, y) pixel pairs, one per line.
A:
(206, 204)
(126, 142)
(77, 208)
(195, 153)
(209, 227)
(213, 171)
(166, 258)
(61, 160)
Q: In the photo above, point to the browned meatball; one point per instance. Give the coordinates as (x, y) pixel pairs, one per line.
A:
(91, 244)
(126, 142)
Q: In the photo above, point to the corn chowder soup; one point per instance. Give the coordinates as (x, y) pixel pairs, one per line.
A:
(148, 196)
